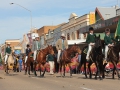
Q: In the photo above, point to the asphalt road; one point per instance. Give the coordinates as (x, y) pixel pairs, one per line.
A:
(19, 81)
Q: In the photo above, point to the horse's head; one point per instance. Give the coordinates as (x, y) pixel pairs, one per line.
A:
(76, 49)
(50, 49)
(98, 42)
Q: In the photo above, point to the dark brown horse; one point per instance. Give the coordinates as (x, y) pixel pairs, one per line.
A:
(66, 58)
(113, 56)
(41, 59)
(29, 63)
(96, 57)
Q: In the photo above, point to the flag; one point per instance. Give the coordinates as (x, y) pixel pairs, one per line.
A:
(117, 32)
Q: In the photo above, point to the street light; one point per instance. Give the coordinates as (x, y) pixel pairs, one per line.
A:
(25, 9)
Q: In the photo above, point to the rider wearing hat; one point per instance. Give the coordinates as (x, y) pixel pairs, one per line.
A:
(90, 40)
(28, 50)
(108, 41)
(35, 45)
(61, 45)
(7, 52)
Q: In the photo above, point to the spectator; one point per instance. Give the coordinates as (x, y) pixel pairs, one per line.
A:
(50, 59)
(20, 63)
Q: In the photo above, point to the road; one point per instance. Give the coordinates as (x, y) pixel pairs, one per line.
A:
(19, 81)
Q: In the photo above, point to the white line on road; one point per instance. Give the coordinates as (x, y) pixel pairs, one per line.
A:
(85, 88)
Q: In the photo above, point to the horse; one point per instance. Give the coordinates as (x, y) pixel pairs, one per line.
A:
(41, 59)
(29, 63)
(9, 63)
(96, 56)
(113, 56)
(66, 58)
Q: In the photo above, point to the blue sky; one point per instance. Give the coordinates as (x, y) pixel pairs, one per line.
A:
(15, 21)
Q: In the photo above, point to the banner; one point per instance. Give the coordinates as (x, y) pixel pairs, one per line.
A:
(29, 35)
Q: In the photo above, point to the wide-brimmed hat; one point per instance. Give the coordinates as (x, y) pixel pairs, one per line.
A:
(62, 35)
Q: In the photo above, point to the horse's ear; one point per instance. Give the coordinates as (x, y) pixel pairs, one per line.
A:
(48, 45)
(95, 36)
(99, 36)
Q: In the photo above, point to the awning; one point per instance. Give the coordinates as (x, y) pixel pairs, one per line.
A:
(79, 41)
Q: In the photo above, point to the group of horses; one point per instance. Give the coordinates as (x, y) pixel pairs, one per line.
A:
(96, 56)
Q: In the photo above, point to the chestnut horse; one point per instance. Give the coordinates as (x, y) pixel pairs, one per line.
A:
(29, 63)
(41, 59)
(66, 58)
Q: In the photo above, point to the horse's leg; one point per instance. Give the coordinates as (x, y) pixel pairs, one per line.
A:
(44, 71)
(90, 74)
(85, 69)
(35, 69)
(115, 67)
(64, 70)
(101, 68)
(29, 69)
(40, 69)
(104, 65)
(60, 68)
(70, 70)
(96, 64)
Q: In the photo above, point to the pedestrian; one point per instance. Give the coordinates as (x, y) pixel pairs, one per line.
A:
(91, 41)
(50, 60)
(20, 63)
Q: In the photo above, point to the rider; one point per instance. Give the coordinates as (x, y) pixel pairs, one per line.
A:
(7, 52)
(28, 50)
(90, 40)
(35, 45)
(108, 41)
(61, 45)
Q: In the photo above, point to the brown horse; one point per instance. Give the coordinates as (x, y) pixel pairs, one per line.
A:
(113, 56)
(66, 58)
(29, 63)
(41, 59)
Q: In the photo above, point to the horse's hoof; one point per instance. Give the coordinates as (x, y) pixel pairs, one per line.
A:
(95, 78)
(101, 78)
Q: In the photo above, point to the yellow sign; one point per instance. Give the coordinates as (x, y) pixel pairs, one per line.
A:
(92, 18)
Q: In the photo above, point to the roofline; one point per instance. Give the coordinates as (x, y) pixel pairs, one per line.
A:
(97, 10)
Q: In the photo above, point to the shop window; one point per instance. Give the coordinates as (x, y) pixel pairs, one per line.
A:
(68, 36)
(77, 34)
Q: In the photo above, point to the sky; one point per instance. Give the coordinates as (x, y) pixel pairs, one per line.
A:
(16, 21)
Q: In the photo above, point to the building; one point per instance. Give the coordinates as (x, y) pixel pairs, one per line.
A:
(72, 28)
(42, 32)
(13, 42)
(104, 13)
(49, 38)
(57, 33)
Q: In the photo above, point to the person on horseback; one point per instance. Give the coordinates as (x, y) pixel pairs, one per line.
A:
(28, 50)
(90, 40)
(7, 52)
(35, 45)
(61, 45)
(108, 42)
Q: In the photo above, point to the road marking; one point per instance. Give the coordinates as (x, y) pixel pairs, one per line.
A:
(85, 88)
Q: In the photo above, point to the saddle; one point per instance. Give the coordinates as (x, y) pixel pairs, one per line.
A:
(85, 50)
